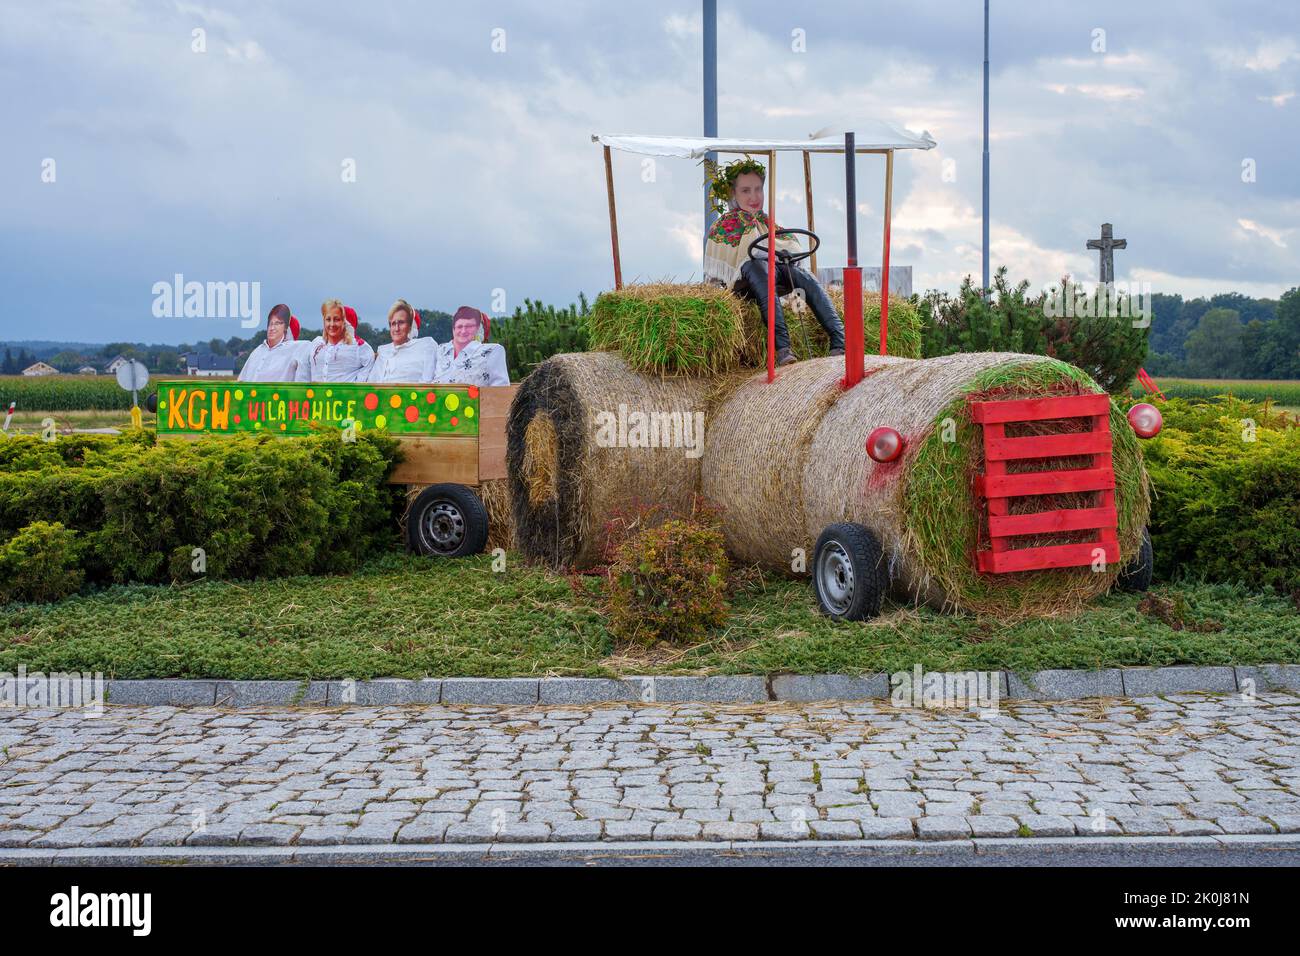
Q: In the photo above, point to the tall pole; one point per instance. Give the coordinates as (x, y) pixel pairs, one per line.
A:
(853, 331)
(771, 266)
(613, 219)
(710, 96)
(884, 266)
(986, 146)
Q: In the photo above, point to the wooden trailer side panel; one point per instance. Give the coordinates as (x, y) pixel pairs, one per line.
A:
(494, 408)
(463, 461)
(434, 461)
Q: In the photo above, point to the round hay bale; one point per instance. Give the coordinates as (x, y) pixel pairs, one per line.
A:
(586, 437)
(923, 507)
(758, 439)
(664, 328)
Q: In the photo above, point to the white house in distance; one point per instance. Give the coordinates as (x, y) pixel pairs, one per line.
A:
(113, 366)
(87, 370)
(40, 368)
(208, 365)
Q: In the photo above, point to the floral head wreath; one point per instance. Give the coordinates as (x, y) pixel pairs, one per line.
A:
(723, 180)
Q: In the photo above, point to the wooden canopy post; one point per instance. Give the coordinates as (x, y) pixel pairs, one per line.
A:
(771, 265)
(884, 269)
(807, 191)
(613, 219)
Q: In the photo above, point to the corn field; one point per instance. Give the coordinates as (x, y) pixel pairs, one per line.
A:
(1279, 391)
(66, 393)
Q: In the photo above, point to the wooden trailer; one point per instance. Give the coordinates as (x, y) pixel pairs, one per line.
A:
(452, 436)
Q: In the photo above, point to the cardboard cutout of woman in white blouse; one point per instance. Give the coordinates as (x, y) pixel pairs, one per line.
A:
(407, 358)
(276, 359)
(466, 360)
(337, 355)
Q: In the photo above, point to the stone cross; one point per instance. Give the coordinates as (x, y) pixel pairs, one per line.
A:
(1107, 244)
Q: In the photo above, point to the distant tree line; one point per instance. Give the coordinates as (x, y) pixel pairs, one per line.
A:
(1226, 336)
(15, 363)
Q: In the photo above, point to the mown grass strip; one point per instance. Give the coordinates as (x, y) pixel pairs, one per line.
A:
(406, 617)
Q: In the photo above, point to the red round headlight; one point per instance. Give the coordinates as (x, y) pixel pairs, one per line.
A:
(884, 444)
(1146, 420)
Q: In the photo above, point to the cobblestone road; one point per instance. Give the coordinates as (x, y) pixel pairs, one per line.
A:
(1186, 765)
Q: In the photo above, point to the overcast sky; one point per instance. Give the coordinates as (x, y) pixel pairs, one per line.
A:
(474, 169)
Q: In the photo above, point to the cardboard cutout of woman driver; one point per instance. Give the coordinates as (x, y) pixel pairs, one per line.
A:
(737, 192)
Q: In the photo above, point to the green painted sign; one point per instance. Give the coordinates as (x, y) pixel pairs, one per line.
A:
(198, 406)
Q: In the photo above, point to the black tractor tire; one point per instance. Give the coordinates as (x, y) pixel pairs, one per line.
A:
(1136, 576)
(850, 575)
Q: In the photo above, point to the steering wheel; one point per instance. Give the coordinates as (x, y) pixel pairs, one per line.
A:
(758, 248)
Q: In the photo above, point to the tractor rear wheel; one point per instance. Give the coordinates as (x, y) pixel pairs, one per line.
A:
(850, 577)
(1136, 576)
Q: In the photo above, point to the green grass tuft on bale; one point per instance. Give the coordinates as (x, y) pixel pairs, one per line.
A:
(700, 329)
(943, 520)
(666, 329)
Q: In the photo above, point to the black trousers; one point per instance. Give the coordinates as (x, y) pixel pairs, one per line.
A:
(753, 283)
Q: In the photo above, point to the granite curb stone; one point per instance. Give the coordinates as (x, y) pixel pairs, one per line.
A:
(374, 693)
(594, 690)
(719, 690)
(1065, 685)
(171, 693)
(801, 688)
(253, 693)
(493, 690)
(809, 687)
(1269, 677)
(118, 856)
(1151, 681)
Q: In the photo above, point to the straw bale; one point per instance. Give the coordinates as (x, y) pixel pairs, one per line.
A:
(591, 480)
(923, 507)
(670, 328)
(757, 445)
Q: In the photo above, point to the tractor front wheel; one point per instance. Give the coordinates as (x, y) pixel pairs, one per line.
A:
(850, 577)
(447, 521)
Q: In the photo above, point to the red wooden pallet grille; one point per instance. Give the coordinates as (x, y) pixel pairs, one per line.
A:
(998, 487)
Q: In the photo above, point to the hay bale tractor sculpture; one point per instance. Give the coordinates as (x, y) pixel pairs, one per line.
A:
(995, 482)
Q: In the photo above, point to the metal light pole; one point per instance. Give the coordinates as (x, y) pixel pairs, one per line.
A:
(854, 347)
(986, 145)
(710, 96)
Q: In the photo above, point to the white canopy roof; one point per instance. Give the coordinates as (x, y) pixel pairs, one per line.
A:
(870, 135)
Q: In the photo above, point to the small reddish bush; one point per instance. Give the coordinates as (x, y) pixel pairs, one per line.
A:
(669, 582)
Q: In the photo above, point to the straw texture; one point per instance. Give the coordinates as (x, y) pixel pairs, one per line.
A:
(758, 440)
(495, 494)
(923, 506)
(591, 481)
(664, 328)
(786, 459)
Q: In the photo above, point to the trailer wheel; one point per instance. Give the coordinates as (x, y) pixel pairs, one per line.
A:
(447, 521)
(850, 577)
(1136, 576)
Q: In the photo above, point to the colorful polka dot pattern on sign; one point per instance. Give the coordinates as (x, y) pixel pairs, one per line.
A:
(293, 408)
